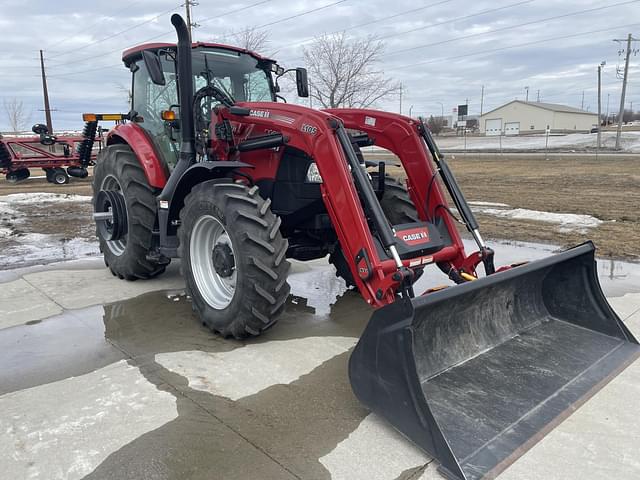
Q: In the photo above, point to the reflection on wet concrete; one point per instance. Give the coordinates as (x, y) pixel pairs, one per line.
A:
(66, 345)
(294, 424)
(281, 431)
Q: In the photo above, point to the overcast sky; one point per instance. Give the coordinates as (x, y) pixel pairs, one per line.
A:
(437, 54)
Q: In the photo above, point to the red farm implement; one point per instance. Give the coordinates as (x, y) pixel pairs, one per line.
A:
(60, 157)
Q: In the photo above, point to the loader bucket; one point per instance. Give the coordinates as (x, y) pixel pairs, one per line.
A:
(476, 374)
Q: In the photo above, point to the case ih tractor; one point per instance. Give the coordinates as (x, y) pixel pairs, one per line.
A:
(211, 168)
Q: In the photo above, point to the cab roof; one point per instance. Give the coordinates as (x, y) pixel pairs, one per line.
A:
(134, 53)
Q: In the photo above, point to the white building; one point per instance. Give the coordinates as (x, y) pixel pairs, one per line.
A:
(518, 117)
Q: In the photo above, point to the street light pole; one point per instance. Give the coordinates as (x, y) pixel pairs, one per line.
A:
(599, 105)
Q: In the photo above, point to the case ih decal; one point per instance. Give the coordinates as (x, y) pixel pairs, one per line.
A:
(414, 236)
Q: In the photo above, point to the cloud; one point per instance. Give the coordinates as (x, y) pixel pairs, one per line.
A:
(83, 47)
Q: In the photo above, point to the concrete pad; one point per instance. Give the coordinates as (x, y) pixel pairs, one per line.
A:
(20, 303)
(276, 407)
(625, 305)
(633, 323)
(250, 369)
(64, 430)
(373, 452)
(82, 288)
(59, 347)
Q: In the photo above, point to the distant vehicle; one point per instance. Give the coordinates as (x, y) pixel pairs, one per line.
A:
(595, 130)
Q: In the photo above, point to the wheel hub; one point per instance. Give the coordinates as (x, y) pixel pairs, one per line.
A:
(111, 215)
(223, 260)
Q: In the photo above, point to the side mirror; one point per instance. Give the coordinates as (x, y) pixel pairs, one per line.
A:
(302, 82)
(154, 67)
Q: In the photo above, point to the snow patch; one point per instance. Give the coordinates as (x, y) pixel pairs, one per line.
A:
(66, 429)
(247, 370)
(35, 248)
(32, 248)
(42, 197)
(566, 221)
(630, 142)
(488, 204)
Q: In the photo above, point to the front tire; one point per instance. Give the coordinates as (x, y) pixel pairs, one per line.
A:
(118, 169)
(233, 258)
(58, 176)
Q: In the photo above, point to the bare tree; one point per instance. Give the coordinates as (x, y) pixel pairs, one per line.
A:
(125, 91)
(16, 114)
(342, 72)
(250, 38)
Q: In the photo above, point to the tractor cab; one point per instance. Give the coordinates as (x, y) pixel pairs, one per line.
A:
(232, 74)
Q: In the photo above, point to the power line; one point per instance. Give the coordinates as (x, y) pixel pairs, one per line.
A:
(382, 19)
(81, 72)
(297, 15)
(525, 44)
(515, 26)
(465, 17)
(155, 37)
(212, 18)
(116, 12)
(86, 45)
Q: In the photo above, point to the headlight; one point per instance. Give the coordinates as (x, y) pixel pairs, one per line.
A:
(313, 175)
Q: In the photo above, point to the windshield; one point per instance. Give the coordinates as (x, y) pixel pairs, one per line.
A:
(237, 74)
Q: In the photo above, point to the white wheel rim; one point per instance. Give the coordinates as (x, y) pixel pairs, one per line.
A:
(216, 290)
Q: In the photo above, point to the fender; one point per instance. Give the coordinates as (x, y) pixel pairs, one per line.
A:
(198, 173)
(134, 135)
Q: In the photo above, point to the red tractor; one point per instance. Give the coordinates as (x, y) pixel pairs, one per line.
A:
(211, 168)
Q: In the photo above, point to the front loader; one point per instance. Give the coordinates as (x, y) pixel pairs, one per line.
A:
(208, 167)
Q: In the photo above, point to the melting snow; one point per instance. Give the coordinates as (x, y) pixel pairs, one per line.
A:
(42, 197)
(567, 221)
(488, 204)
(38, 247)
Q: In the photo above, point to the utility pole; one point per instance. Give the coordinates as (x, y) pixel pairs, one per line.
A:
(538, 96)
(527, 98)
(481, 100)
(45, 93)
(599, 106)
(400, 98)
(624, 88)
(187, 5)
(607, 121)
(582, 103)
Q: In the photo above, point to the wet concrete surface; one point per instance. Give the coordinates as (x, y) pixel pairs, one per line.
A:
(145, 360)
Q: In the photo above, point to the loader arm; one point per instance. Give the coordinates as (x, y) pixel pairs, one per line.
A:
(412, 143)
(321, 135)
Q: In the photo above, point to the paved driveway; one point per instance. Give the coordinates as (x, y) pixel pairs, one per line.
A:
(105, 379)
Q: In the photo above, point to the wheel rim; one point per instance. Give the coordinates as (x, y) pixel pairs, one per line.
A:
(215, 289)
(116, 247)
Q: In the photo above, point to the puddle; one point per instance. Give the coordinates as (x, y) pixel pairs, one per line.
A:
(312, 410)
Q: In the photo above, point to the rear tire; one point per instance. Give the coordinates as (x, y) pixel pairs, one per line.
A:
(396, 202)
(117, 168)
(233, 258)
(397, 207)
